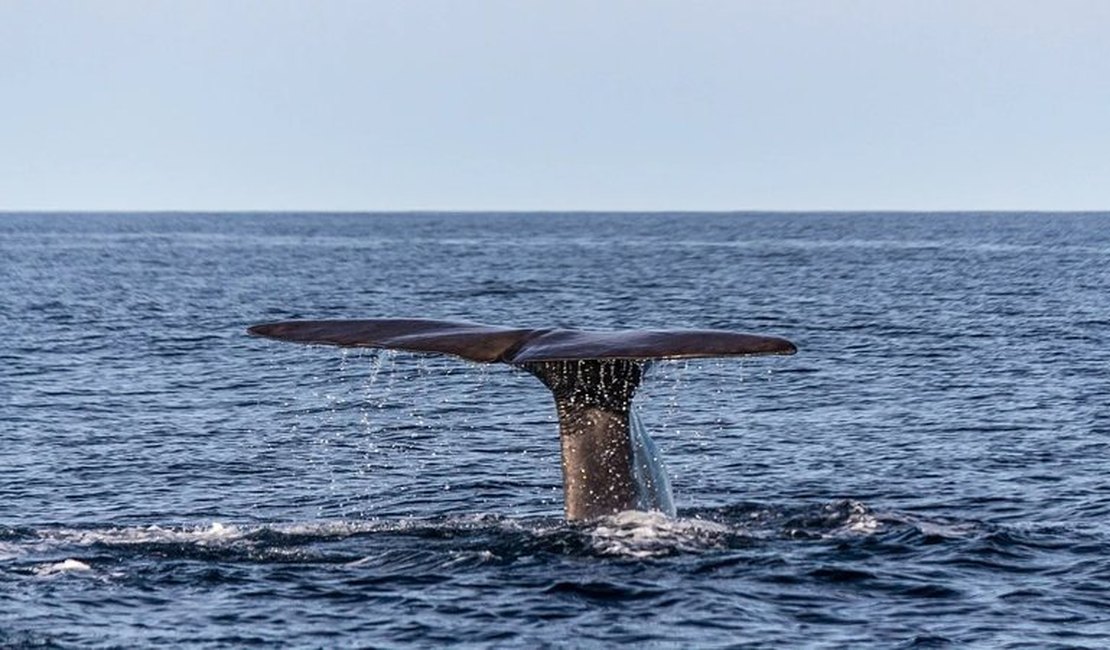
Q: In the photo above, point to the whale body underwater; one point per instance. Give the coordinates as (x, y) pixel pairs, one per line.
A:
(593, 375)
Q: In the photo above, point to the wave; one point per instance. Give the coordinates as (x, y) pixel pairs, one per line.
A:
(477, 539)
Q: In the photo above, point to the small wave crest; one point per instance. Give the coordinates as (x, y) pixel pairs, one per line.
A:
(65, 566)
(845, 517)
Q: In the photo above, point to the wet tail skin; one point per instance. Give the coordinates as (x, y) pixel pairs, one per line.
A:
(593, 399)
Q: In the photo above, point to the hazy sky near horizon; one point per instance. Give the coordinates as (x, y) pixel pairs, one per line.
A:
(595, 104)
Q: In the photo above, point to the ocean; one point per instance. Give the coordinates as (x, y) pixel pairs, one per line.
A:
(932, 469)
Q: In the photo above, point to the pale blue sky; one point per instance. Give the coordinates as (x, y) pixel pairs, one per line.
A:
(608, 105)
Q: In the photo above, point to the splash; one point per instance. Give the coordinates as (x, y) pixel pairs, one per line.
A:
(637, 535)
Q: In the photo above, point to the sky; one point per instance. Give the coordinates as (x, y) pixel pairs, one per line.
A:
(561, 105)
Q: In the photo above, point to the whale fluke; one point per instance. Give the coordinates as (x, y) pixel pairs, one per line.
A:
(487, 344)
(593, 376)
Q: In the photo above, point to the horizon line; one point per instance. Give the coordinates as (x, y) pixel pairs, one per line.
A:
(576, 211)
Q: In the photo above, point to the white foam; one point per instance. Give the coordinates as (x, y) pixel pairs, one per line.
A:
(648, 534)
(860, 520)
(9, 551)
(214, 533)
(863, 524)
(67, 566)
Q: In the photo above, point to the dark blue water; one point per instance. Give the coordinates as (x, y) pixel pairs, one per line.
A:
(932, 469)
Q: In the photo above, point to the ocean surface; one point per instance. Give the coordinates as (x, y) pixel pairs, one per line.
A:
(932, 469)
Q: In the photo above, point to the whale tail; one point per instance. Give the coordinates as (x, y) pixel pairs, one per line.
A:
(593, 376)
